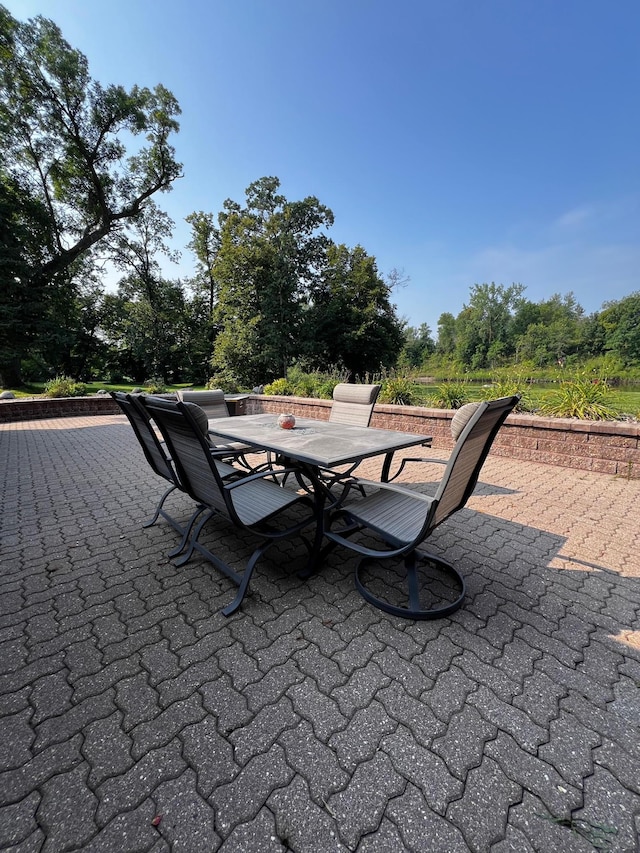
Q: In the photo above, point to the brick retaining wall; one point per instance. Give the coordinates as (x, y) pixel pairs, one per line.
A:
(56, 407)
(609, 447)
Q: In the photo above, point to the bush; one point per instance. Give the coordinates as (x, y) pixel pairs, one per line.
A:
(324, 388)
(224, 380)
(399, 391)
(506, 385)
(302, 384)
(451, 395)
(155, 386)
(64, 386)
(582, 397)
(278, 388)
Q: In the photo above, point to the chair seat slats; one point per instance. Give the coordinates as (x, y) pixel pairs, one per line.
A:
(258, 501)
(399, 518)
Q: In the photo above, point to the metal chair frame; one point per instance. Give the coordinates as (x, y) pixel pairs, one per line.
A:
(403, 518)
(250, 503)
(154, 451)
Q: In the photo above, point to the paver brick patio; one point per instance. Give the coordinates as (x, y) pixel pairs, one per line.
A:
(135, 717)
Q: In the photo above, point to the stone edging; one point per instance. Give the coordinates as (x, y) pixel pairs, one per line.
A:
(609, 447)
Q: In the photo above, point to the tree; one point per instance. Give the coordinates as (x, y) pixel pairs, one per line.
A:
(205, 243)
(23, 229)
(60, 132)
(446, 334)
(553, 332)
(418, 346)
(620, 322)
(351, 323)
(268, 261)
(483, 326)
(154, 307)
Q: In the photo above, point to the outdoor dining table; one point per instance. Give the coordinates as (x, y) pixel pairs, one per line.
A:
(312, 445)
(315, 444)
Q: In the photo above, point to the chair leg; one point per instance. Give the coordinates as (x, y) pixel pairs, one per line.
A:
(194, 536)
(159, 507)
(187, 530)
(413, 609)
(242, 581)
(246, 577)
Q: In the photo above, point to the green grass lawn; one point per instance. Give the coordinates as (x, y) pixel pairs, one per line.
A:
(34, 389)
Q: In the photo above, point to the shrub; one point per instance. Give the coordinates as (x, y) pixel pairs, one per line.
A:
(155, 386)
(278, 388)
(451, 395)
(581, 397)
(506, 385)
(224, 380)
(302, 384)
(64, 386)
(324, 388)
(399, 391)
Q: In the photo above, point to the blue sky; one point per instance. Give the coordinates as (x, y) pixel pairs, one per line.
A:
(462, 141)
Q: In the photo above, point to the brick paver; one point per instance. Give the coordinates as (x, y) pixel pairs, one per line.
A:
(135, 717)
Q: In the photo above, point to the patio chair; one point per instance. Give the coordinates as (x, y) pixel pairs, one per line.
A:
(160, 461)
(458, 423)
(353, 404)
(154, 450)
(213, 404)
(251, 503)
(403, 519)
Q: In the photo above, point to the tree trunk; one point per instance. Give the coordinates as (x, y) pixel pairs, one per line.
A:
(10, 374)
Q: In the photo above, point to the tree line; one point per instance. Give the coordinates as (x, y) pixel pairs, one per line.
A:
(270, 288)
(500, 326)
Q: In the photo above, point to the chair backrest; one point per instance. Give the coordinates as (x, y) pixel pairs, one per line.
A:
(353, 404)
(146, 434)
(468, 455)
(190, 452)
(211, 402)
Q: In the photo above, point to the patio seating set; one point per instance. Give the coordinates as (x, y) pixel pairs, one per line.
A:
(280, 483)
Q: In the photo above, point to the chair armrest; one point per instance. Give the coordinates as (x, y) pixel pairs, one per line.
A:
(390, 487)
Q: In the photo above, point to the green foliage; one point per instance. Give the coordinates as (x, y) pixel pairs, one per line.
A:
(225, 381)
(418, 346)
(301, 384)
(155, 386)
(279, 388)
(67, 179)
(64, 386)
(508, 383)
(482, 329)
(619, 323)
(350, 321)
(451, 395)
(398, 390)
(268, 256)
(581, 397)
